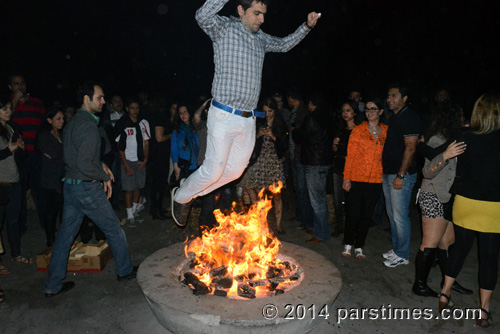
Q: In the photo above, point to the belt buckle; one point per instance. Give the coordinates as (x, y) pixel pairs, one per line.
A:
(246, 114)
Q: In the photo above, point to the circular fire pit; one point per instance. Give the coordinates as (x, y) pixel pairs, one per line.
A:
(298, 310)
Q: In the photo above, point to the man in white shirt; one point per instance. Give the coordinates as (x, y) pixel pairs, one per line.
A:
(133, 147)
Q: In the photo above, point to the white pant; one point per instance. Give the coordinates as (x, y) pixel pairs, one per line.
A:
(230, 143)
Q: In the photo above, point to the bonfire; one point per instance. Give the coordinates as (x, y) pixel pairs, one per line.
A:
(238, 258)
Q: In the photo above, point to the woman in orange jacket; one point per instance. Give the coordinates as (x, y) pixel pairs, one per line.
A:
(363, 176)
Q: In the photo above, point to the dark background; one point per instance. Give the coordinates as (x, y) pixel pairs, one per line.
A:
(156, 45)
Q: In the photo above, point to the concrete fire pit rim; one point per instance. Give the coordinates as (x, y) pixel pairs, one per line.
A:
(306, 293)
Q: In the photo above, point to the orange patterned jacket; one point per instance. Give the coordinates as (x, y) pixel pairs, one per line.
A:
(364, 155)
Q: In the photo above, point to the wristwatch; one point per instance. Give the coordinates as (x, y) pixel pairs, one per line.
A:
(401, 176)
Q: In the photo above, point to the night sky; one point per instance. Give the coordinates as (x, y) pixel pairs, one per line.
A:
(156, 45)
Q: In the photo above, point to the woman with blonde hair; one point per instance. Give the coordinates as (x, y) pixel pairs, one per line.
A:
(476, 210)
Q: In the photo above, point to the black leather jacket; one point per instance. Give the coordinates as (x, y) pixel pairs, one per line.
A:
(316, 137)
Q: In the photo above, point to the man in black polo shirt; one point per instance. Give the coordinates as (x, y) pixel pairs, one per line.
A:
(399, 172)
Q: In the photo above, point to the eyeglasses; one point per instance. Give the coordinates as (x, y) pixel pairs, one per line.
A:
(371, 110)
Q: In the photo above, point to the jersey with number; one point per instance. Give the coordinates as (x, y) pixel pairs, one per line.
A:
(131, 146)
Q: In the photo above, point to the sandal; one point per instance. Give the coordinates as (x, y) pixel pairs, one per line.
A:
(449, 304)
(23, 259)
(359, 254)
(4, 270)
(347, 251)
(482, 322)
(2, 296)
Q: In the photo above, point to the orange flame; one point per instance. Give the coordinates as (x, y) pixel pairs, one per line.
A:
(242, 242)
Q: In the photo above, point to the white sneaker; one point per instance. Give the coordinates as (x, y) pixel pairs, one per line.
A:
(389, 255)
(396, 262)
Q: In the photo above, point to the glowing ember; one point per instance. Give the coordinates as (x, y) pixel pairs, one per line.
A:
(239, 257)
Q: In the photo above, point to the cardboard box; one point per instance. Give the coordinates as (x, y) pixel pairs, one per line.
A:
(82, 258)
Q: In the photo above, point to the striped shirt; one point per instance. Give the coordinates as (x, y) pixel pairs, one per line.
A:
(29, 115)
(239, 55)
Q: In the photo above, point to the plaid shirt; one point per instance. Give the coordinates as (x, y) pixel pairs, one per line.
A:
(239, 55)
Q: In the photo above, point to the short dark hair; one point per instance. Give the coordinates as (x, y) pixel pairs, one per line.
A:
(86, 89)
(403, 89)
(132, 100)
(294, 95)
(316, 99)
(248, 3)
(15, 74)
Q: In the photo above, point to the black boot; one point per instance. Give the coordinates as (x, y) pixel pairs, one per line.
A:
(423, 265)
(443, 262)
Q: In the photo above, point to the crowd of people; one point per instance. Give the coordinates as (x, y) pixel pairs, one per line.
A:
(373, 151)
(369, 150)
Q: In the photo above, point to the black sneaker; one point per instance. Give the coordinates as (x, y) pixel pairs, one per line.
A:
(132, 275)
(65, 287)
(180, 212)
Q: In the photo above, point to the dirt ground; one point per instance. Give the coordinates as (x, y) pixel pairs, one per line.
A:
(100, 304)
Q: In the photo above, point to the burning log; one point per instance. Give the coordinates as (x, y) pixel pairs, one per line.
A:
(220, 293)
(219, 271)
(199, 288)
(223, 283)
(260, 282)
(246, 291)
(273, 272)
(240, 278)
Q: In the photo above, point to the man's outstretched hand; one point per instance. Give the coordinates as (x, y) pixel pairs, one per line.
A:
(312, 19)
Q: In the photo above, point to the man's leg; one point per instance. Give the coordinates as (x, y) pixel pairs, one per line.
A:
(71, 221)
(98, 208)
(230, 143)
(400, 202)
(316, 186)
(387, 189)
(303, 199)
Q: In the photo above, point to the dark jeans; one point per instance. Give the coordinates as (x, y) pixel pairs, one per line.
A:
(29, 171)
(86, 198)
(10, 213)
(117, 185)
(303, 209)
(316, 186)
(339, 202)
(159, 182)
(361, 201)
(488, 245)
(53, 209)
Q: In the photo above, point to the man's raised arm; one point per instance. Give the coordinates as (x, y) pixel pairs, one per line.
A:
(284, 44)
(207, 17)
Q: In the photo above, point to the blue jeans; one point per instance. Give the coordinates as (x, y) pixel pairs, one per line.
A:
(86, 199)
(303, 209)
(316, 185)
(397, 203)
